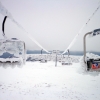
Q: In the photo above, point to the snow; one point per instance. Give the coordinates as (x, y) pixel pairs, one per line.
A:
(92, 56)
(11, 50)
(12, 47)
(44, 81)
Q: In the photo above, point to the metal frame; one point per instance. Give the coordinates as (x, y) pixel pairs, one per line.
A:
(84, 45)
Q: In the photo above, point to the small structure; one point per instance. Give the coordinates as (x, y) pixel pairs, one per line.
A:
(68, 60)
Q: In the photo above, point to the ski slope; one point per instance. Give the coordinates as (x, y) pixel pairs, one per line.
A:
(44, 81)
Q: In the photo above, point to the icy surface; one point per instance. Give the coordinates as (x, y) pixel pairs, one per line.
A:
(11, 50)
(49, 57)
(44, 81)
(11, 47)
(93, 56)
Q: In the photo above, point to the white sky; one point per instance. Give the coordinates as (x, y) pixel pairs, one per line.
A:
(53, 23)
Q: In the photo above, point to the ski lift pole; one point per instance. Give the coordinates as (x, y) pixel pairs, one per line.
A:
(68, 52)
(94, 33)
(84, 45)
(41, 51)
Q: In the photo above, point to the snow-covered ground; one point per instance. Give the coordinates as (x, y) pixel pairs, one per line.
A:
(44, 81)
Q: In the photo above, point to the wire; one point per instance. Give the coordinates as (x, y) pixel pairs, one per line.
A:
(73, 41)
(5, 12)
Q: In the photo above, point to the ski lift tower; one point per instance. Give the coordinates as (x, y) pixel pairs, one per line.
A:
(91, 63)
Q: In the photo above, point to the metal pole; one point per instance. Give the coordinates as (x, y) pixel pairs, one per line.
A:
(84, 45)
(68, 52)
(41, 51)
(56, 60)
(24, 53)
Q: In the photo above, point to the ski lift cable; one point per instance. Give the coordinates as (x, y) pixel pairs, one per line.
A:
(73, 41)
(30, 36)
(5, 12)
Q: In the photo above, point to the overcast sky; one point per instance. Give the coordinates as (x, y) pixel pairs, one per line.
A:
(53, 23)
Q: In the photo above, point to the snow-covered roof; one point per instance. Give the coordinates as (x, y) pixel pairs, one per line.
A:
(11, 39)
(92, 56)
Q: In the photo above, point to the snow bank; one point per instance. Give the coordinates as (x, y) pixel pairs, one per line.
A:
(48, 57)
(44, 81)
